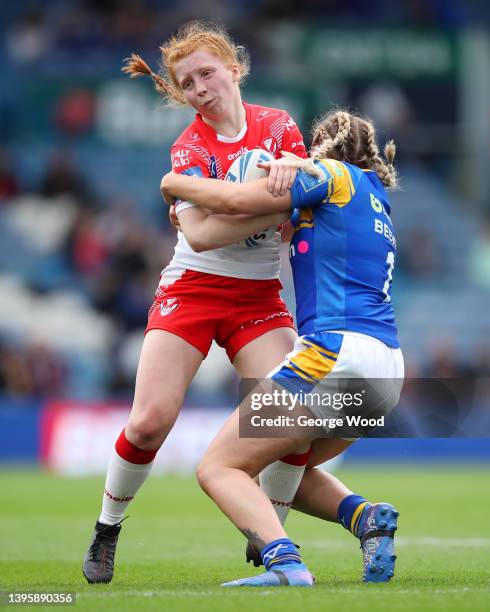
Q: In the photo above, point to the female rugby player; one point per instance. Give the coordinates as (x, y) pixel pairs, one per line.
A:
(342, 256)
(199, 289)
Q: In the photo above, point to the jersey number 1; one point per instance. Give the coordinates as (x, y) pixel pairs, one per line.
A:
(390, 262)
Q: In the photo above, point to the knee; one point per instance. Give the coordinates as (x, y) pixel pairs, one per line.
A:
(149, 427)
(205, 473)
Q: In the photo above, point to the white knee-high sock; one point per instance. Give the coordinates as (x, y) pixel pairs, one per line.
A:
(280, 481)
(128, 468)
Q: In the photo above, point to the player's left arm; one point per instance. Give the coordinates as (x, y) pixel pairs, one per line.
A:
(331, 183)
(204, 231)
(224, 196)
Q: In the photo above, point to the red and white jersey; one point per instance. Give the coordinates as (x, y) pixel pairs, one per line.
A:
(200, 151)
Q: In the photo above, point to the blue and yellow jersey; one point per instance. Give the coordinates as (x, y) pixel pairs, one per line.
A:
(343, 252)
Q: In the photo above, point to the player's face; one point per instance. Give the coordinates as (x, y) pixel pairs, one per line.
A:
(207, 84)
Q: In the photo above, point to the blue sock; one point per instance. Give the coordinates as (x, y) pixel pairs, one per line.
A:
(279, 552)
(350, 510)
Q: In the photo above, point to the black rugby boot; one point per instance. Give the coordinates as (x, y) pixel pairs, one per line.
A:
(98, 564)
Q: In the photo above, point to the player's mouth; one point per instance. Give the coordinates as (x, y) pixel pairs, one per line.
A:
(208, 103)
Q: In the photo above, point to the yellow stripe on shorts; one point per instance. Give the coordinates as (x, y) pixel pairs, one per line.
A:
(313, 363)
(320, 349)
(297, 370)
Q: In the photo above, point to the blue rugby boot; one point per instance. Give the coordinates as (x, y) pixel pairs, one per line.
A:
(284, 568)
(376, 530)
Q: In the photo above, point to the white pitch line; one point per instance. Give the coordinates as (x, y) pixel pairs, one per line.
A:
(97, 594)
(160, 593)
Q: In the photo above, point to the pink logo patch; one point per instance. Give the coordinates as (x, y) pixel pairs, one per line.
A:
(303, 247)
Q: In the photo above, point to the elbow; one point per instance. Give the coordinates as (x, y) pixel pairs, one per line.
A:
(164, 185)
(198, 245)
(195, 244)
(164, 190)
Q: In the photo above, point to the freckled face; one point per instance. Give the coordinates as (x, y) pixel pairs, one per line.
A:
(207, 84)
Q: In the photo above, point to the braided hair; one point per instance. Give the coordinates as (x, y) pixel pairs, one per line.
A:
(346, 137)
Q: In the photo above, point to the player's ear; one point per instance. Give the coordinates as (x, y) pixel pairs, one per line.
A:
(235, 72)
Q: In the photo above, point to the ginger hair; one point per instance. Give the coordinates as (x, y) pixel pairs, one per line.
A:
(345, 137)
(189, 38)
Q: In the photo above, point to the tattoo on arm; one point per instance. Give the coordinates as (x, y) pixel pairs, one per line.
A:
(254, 538)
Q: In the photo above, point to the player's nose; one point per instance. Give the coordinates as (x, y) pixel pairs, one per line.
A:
(201, 88)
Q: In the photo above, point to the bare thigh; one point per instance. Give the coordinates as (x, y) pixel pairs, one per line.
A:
(259, 357)
(250, 455)
(324, 449)
(166, 367)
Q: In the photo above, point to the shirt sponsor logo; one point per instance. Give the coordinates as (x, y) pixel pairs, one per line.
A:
(168, 306)
(238, 153)
(309, 182)
(180, 158)
(275, 315)
(118, 499)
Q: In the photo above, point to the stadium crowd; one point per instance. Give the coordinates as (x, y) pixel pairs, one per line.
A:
(66, 244)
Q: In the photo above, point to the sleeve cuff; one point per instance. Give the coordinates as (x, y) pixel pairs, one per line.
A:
(181, 205)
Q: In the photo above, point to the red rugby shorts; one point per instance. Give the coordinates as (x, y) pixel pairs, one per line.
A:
(201, 308)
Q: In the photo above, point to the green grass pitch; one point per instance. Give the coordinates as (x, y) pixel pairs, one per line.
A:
(176, 547)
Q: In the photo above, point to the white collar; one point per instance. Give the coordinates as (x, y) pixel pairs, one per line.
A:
(236, 138)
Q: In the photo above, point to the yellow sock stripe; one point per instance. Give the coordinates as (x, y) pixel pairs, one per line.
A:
(356, 516)
(289, 557)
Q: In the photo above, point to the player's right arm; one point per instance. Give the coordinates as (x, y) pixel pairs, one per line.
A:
(202, 230)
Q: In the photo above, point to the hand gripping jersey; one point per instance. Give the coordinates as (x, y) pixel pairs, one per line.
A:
(343, 252)
(200, 152)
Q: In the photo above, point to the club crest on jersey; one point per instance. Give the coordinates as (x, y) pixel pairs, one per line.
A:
(270, 144)
(168, 306)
